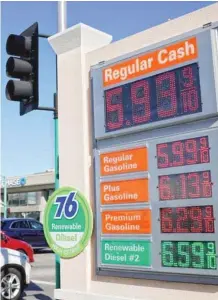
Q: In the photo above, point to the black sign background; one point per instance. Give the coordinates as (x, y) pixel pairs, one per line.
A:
(167, 95)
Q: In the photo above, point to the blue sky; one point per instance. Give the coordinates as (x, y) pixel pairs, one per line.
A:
(28, 141)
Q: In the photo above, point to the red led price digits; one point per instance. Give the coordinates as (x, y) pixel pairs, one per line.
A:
(185, 186)
(181, 219)
(183, 152)
(195, 214)
(187, 80)
(191, 150)
(209, 219)
(178, 154)
(190, 100)
(162, 156)
(153, 99)
(140, 94)
(115, 109)
(193, 185)
(188, 91)
(204, 150)
(164, 188)
(166, 220)
(207, 185)
(193, 219)
(166, 95)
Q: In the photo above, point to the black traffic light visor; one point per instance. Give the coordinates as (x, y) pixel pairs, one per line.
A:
(18, 45)
(17, 90)
(23, 66)
(18, 68)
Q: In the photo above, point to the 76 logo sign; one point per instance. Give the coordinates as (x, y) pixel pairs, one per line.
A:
(67, 206)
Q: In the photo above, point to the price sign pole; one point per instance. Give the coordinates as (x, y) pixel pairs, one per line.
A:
(62, 25)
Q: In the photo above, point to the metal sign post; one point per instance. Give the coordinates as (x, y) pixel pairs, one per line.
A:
(62, 25)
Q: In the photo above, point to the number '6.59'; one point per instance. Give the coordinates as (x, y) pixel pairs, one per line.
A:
(67, 206)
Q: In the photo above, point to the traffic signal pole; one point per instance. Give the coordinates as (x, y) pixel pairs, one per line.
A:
(56, 154)
(62, 25)
(24, 66)
(57, 258)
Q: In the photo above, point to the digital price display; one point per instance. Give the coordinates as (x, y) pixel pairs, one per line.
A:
(183, 152)
(167, 103)
(191, 219)
(189, 254)
(185, 186)
(167, 95)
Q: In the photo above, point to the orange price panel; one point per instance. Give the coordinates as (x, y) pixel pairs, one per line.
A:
(121, 192)
(165, 57)
(124, 161)
(126, 222)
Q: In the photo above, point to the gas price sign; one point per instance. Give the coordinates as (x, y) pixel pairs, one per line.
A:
(156, 133)
(196, 255)
(185, 186)
(191, 219)
(167, 95)
(156, 88)
(182, 153)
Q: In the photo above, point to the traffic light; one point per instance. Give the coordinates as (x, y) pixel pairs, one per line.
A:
(24, 67)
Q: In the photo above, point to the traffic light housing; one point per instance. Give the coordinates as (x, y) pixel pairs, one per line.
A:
(24, 68)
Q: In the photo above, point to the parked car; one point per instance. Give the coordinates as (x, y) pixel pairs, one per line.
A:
(8, 242)
(15, 273)
(28, 230)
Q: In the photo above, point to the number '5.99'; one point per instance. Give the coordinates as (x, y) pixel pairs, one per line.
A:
(67, 206)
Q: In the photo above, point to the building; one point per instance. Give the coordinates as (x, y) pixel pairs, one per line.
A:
(27, 196)
(113, 272)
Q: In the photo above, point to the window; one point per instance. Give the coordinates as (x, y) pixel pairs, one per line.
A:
(35, 225)
(20, 224)
(24, 199)
(13, 199)
(33, 214)
(32, 198)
